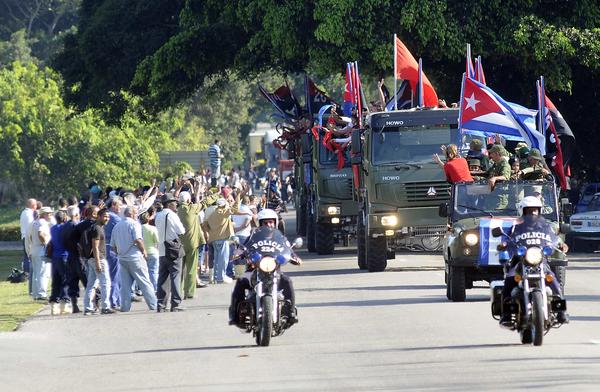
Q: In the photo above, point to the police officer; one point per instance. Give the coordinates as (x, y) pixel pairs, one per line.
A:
(531, 222)
(267, 218)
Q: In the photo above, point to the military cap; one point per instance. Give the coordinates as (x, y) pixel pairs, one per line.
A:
(476, 144)
(536, 154)
(497, 148)
(474, 162)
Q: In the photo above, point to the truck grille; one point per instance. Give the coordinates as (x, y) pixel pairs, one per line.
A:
(419, 191)
(339, 188)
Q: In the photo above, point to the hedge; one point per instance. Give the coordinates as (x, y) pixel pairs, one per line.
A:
(10, 233)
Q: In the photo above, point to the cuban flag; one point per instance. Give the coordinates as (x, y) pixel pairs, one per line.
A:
(482, 111)
(479, 75)
(349, 98)
(488, 253)
(469, 69)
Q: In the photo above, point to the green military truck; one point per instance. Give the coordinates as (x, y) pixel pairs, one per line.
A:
(325, 210)
(400, 187)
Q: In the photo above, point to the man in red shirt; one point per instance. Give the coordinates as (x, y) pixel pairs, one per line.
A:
(456, 168)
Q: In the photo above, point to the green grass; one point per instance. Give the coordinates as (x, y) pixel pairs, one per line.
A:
(15, 303)
(10, 215)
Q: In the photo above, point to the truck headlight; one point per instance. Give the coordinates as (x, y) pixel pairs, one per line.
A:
(471, 239)
(389, 220)
(333, 210)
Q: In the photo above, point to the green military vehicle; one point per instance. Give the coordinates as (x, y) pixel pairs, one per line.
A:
(400, 186)
(470, 252)
(325, 205)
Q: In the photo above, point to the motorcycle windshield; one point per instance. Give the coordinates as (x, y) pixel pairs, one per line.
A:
(269, 242)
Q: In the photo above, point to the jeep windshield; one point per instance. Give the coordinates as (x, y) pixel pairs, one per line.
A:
(410, 144)
(327, 157)
(476, 199)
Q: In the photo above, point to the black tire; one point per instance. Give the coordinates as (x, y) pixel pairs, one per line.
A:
(324, 241)
(537, 318)
(301, 219)
(376, 253)
(458, 284)
(526, 337)
(361, 244)
(265, 322)
(310, 232)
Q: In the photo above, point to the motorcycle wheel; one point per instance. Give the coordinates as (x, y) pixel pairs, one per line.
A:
(265, 324)
(537, 318)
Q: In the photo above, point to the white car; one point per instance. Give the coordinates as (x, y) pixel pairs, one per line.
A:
(585, 228)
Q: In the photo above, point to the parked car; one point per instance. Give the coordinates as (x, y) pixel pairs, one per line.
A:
(585, 227)
(587, 192)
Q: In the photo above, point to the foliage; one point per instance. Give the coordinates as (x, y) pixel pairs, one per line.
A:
(210, 41)
(48, 150)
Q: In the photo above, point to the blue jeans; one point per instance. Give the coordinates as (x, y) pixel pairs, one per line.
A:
(152, 261)
(221, 258)
(135, 269)
(94, 276)
(40, 275)
(26, 265)
(60, 283)
(113, 269)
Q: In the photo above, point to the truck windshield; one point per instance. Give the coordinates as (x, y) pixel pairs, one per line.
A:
(476, 199)
(327, 157)
(413, 145)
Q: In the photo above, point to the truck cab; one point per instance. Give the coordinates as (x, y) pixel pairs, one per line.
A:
(399, 186)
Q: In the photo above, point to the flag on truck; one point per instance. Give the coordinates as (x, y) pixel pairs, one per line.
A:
(402, 99)
(553, 144)
(315, 97)
(564, 132)
(484, 111)
(479, 75)
(407, 68)
(283, 100)
(349, 97)
(469, 68)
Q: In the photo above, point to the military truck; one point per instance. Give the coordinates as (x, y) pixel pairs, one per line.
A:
(470, 252)
(325, 209)
(399, 187)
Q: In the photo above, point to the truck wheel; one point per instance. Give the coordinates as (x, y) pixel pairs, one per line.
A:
(376, 253)
(301, 220)
(360, 244)
(457, 283)
(324, 241)
(310, 233)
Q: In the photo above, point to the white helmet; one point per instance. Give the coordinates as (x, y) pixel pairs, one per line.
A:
(529, 201)
(267, 213)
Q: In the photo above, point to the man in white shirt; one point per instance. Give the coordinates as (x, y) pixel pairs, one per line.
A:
(242, 228)
(169, 228)
(27, 218)
(39, 237)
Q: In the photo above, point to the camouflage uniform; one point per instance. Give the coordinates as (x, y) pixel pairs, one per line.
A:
(500, 168)
(533, 173)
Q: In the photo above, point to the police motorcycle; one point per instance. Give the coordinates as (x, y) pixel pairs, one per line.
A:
(533, 308)
(264, 310)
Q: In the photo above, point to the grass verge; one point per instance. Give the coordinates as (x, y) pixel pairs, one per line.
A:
(15, 303)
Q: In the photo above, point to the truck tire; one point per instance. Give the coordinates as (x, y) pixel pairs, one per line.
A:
(458, 284)
(301, 220)
(324, 241)
(376, 253)
(310, 232)
(360, 244)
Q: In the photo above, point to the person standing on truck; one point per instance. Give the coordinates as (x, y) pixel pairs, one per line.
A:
(456, 167)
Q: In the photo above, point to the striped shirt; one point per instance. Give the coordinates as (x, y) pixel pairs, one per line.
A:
(214, 154)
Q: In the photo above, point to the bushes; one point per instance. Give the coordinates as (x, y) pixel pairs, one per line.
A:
(10, 233)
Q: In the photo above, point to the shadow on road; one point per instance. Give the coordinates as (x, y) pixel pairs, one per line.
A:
(377, 302)
(583, 298)
(163, 350)
(377, 288)
(346, 271)
(584, 318)
(435, 348)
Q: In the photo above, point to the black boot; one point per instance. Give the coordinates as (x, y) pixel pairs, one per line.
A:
(232, 316)
(74, 305)
(562, 317)
(505, 318)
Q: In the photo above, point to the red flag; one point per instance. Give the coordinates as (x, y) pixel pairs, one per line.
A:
(407, 68)
(479, 75)
(553, 145)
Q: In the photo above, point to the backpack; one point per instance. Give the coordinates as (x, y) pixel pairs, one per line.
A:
(17, 276)
(85, 242)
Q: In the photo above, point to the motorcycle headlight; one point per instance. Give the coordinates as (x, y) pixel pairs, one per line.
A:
(333, 210)
(389, 220)
(533, 255)
(471, 239)
(267, 264)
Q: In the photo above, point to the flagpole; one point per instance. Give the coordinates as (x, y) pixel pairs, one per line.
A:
(421, 98)
(395, 78)
(359, 97)
(538, 87)
(460, 110)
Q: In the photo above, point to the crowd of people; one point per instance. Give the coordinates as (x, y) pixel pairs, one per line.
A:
(156, 242)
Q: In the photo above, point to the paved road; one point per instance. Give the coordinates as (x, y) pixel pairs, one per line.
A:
(393, 330)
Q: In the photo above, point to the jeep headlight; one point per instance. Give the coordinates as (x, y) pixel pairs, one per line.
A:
(389, 220)
(333, 210)
(471, 239)
(533, 256)
(267, 264)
